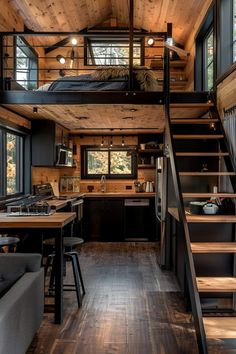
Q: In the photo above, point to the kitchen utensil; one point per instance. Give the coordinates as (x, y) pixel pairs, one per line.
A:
(210, 208)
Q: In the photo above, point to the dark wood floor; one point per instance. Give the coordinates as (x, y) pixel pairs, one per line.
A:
(130, 307)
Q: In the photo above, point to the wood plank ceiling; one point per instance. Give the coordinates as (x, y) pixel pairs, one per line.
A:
(74, 15)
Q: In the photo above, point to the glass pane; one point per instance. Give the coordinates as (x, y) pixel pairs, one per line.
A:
(116, 53)
(97, 162)
(120, 163)
(210, 48)
(13, 163)
(210, 77)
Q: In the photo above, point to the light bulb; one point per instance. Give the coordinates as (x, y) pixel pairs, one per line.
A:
(74, 41)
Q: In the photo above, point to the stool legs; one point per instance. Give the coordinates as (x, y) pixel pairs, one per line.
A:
(78, 279)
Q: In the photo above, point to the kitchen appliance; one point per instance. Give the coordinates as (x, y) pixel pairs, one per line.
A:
(64, 156)
(136, 218)
(138, 187)
(29, 206)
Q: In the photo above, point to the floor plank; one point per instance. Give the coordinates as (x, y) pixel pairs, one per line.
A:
(131, 306)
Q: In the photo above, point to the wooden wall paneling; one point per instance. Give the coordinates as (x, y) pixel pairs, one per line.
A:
(226, 93)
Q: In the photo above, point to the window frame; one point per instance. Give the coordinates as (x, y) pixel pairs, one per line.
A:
(88, 41)
(199, 75)
(21, 180)
(84, 162)
(32, 69)
(207, 65)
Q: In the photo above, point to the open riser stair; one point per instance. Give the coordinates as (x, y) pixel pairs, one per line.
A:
(200, 160)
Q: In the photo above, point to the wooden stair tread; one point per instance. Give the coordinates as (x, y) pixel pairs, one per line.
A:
(213, 247)
(193, 121)
(198, 136)
(220, 327)
(207, 173)
(202, 154)
(216, 284)
(208, 195)
(211, 218)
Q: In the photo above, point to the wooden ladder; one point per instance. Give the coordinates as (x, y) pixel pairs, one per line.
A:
(197, 140)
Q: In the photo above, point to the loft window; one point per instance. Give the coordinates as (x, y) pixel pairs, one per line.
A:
(26, 64)
(11, 178)
(112, 162)
(234, 31)
(208, 61)
(112, 52)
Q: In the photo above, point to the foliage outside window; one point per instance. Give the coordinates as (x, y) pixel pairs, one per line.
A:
(111, 162)
(112, 52)
(11, 164)
(208, 61)
(25, 65)
(234, 31)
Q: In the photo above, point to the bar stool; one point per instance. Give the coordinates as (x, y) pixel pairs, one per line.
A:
(69, 244)
(8, 242)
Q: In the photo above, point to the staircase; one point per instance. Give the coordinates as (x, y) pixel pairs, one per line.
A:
(196, 147)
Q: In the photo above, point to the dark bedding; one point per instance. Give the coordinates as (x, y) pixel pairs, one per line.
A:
(86, 82)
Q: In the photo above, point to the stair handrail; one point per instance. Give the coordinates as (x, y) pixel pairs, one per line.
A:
(189, 263)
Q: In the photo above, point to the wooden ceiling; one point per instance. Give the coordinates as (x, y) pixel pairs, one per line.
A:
(117, 118)
(74, 15)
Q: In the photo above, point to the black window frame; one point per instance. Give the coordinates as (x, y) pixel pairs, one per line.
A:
(88, 41)
(84, 162)
(32, 56)
(23, 152)
(206, 27)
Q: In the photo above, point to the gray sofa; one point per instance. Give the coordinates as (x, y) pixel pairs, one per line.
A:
(21, 301)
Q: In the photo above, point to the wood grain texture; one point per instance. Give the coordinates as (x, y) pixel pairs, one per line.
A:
(213, 247)
(130, 307)
(216, 284)
(224, 327)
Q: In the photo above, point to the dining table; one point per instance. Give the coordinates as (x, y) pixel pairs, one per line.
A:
(36, 227)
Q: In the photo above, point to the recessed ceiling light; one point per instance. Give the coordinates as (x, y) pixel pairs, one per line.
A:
(81, 117)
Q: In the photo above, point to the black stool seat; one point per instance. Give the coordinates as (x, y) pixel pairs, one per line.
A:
(10, 242)
(72, 241)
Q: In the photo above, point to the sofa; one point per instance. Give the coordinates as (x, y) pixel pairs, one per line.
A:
(21, 300)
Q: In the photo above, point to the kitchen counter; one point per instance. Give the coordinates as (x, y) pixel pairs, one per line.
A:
(119, 195)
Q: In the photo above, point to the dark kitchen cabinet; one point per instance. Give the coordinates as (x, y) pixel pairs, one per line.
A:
(103, 219)
(46, 135)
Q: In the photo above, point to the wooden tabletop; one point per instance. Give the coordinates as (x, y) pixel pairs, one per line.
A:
(56, 220)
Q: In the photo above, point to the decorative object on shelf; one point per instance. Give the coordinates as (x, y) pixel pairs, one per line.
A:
(142, 146)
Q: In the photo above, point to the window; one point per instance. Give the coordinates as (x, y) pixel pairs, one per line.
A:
(205, 60)
(25, 65)
(111, 162)
(234, 31)
(112, 52)
(208, 61)
(11, 149)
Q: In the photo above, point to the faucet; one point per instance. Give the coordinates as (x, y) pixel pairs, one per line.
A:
(103, 184)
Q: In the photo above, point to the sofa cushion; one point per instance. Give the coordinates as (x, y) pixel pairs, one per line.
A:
(7, 281)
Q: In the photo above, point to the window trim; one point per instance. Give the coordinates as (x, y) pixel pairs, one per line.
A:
(206, 65)
(84, 165)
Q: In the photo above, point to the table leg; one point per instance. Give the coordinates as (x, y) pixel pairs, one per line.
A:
(58, 277)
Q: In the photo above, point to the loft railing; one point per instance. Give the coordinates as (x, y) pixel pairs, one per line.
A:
(33, 61)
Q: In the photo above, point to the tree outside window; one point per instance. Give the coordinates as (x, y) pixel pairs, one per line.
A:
(14, 164)
(208, 61)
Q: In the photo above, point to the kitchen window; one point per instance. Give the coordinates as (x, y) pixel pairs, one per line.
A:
(11, 166)
(26, 64)
(112, 162)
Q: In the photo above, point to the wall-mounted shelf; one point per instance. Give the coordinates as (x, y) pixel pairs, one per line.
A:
(146, 166)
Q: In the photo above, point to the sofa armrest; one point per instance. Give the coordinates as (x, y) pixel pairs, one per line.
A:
(20, 262)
